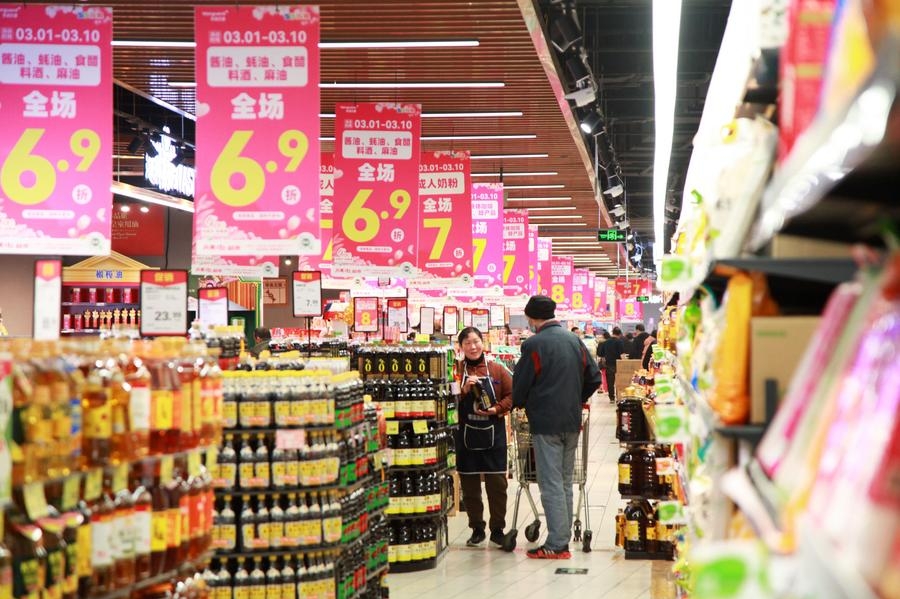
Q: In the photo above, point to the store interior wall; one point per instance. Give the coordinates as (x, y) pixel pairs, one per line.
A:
(17, 293)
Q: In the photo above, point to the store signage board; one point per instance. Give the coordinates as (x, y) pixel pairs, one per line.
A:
(642, 298)
(365, 314)
(481, 318)
(426, 320)
(450, 324)
(397, 314)
(611, 235)
(306, 288)
(544, 269)
(376, 207)
(212, 306)
(445, 220)
(532, 259)
(498, 316)
(487, 234)
(139, 230)
(582, 291)
(47, 297)
(55, 106)
(515, 252)
(561, 273)
(257, 192)
(162, 172)
(250, 267)
(164, 302)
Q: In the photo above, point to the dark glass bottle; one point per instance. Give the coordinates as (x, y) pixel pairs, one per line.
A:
(635, 526)
(626, 473)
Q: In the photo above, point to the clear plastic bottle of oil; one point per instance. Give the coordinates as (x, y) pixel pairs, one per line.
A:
(163, 385)
(102, 543)
(143, 528)
(96, 447)
(137, 383)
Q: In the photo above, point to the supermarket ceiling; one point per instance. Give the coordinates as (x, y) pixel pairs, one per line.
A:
(536, 120)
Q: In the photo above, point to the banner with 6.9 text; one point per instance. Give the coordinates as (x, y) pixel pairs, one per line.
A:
(258, 174)
(376, 208)
(55, 106)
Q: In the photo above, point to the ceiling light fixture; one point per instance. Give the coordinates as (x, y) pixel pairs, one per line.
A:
(617, 210)
(459, 137)
(547, 186)
(384, 84)
(570, 237)
(623, 224)
(150, 196)
(545, 199)
(550, 208)
(387, 44)
(555, 216)
(527, 174)
(125, 208)
(503, 156)
(452, 115)
(562, 224)
(145, 209)
(615, 186)
(592, 122)
(136, 144)
(564, 30)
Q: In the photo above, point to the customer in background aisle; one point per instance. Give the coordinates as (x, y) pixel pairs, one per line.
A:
(627, 342)
(613, 349)
(648, 351)
(637, 344)
(601, 361)
(481, 437)
(261, 338)
(552, 380)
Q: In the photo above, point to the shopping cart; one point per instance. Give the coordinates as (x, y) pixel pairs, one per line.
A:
(522, 458)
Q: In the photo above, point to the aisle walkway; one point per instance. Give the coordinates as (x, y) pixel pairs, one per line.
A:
(475, 573)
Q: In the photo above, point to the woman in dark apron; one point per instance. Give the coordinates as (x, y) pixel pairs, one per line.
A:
(481, 437)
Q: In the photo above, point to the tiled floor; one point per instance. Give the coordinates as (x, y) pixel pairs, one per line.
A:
(475, 573)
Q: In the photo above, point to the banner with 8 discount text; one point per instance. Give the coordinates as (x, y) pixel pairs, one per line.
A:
(55, 106)
(582, 291)
(515, 252)
(445, 221)
(376, 208)
(257, 178)
(561, 272)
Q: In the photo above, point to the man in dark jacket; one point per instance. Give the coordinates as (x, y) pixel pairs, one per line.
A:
(612, 351)
(552, 380)
(637, 344)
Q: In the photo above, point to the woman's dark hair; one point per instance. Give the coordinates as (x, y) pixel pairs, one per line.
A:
(464, 334)
(606, 334)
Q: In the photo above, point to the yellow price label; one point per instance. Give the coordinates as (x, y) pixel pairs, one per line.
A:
(292, 144)
(361, 224)
(120, 478)
(166, 467)
(392, 427)
(193, 463)
(93, 484)
(70, 492)
(212, 456)
(420, 427)
(24, 159)
(35, 501)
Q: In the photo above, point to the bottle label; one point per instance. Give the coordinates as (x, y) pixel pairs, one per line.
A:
(56, 561)
(184, 508)
(257, 591)
(241, 592)
(279, 470)
(101, 554)
(83, 541)
(392, 554)
(276, 533)
(173, 528)
(162, 413)
(125, 532)
(227, 475)
(70, 585)
(292, 532)
(262, 535)
(273, 591)
(229, 414)
(311, 532)
(246, 473)
(159, 539)
(248, 535)
(282, 412)
(651, 533)
(625, 474)
(262, 472)
(196, 406)
(143, 532)
(139, 401)
(246, 411)
(292, 473)
(632, 530)
(227, 536)
(182, 413)
(287, 590)
(332, 529)
(98, 422)
(262, 415)
(31, 575)
(222, 592)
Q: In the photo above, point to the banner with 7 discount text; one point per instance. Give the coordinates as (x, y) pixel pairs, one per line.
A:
(376, 207)
(515, 252)
(445, 222)
(487, 236)
(55, 106)
(532, 259)
(257, 177)
(544, 271)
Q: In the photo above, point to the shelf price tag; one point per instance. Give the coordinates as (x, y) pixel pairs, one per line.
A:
(392, 427)
(307, 293)
(212, 306)
(35, 501)
(481, 318)
(397, 314)
(376, 207)
(70, 492)
(47, 297)
(56, 102)
(166, 469)
(93, 484)
(257, 187)
(420, 427)
(451, 320)
(365, 314)
(163, 302)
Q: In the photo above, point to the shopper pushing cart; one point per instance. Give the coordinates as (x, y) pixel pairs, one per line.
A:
(552, 381)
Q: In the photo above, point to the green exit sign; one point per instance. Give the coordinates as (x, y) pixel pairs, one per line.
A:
(643, 298)
(611, 235)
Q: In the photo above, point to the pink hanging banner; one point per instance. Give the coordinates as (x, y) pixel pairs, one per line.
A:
(322, 261)
(253, 267)
(515, 252)
(601, 307)
(582, 291)
(561, 272)
(257, 186)
(55, 106)
(630, 310)
(545, 276)
(532, 259)
(487, 236)
(445, 220)
(376, 207)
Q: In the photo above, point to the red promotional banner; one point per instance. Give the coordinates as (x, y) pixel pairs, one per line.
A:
(445, 221)
(561, 272)
(257, 186)
(365, 314)
(376, 207)
(515, 252)
(532, 259)
(487, 235)
(629, 288)
(55, 106)
(544, 270)
(138, 230)
(582, 291)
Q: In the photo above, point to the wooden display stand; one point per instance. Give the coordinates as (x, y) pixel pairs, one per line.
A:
(101, 292)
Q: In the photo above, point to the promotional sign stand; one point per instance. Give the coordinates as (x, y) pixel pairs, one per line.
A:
(307, 300)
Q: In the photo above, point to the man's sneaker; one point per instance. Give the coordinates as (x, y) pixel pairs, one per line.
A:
(477, 538)
(497, 538)
(544, 553)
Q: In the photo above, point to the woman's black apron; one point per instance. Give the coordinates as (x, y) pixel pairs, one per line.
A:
(480, 440)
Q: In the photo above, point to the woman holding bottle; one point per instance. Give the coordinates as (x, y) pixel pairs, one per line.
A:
(485, 388)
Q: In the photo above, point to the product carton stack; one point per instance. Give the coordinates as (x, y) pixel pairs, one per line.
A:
(625, 370)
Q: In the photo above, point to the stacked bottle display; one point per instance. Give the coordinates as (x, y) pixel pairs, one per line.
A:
(640, 533)
(296, 492)
(410, 384)
(109, 486)
(647, 471)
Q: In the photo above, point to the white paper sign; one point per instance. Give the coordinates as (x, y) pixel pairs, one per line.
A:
(212, 306)
(498, 316)
(397, 314)
(47, 297)
(426, 320)
(307, 293)
(480, 320)
(451, 321)
(164, 302)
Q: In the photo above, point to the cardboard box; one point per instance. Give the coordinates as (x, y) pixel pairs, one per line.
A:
(625, 370)
(777, 344)
(790, 246)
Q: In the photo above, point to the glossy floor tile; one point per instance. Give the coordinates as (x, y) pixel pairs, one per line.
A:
(475, 573)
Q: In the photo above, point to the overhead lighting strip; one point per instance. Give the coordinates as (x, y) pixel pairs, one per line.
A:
(525, 174)
(464, 138)
(452, 115)
(366, 45)
(545, 199)
(547, 186)
(384, 84)
(506, 156)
